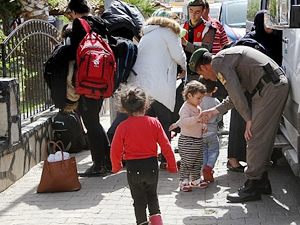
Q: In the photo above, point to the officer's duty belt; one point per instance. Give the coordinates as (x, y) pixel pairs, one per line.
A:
(267, 79)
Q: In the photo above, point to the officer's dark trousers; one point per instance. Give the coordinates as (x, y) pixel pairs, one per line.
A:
(267, 108)
(142, 176)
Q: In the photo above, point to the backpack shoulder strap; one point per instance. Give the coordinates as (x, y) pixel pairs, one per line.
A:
(85, 25)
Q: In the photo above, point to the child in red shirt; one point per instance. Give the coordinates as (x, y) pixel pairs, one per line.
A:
(136, 141)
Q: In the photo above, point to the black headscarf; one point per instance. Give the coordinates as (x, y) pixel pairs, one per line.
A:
(272, 42)
(259, 29)
(79, 6)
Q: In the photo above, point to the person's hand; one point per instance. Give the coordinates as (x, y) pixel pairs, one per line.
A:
(181, 75)
(248, 134)
(204, 128)
(206, 115)
(184, 41)
(173, 126)
(172, 169)
(115, 171)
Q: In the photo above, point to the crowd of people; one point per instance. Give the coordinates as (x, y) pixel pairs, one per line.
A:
(193, 54)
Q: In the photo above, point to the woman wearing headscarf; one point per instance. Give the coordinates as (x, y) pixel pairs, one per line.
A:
(269, 38)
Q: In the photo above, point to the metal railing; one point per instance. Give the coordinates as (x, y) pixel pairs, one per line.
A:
(23, 53)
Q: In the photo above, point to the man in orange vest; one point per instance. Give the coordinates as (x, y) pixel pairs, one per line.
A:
(199, 33)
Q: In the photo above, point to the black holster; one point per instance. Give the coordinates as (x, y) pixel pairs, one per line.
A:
(273, 74)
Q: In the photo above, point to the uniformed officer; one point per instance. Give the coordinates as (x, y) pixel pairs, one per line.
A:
(241, 69)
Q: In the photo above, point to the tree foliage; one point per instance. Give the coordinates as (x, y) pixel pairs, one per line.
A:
(10, 10)
(145, 6)
(2, 36)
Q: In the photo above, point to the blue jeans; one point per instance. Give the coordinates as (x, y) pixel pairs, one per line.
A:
(210, 150)
(142, 176)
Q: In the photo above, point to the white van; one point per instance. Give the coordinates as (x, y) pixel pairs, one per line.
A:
(285, 15)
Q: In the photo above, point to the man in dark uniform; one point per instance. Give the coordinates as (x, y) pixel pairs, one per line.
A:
(241, 69)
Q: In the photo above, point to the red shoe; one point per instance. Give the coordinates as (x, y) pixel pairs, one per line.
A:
(199, 184)
(208, 174)
(185, 186)
(155, 220)
(173, 134)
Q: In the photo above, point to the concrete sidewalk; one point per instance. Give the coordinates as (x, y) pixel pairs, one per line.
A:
(108, 201)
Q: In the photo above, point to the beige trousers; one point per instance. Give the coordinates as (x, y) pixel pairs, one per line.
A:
(267, 107)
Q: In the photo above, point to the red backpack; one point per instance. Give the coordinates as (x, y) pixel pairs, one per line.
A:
(96, 66)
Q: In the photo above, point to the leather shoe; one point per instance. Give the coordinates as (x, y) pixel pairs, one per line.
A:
(248, 192)
(94, 172)
(235, 169)
(264, 185)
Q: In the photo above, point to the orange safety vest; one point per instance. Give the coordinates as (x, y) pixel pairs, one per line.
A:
(203, 34)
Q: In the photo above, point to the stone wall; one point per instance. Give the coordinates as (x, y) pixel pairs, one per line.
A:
(15, 163)
(22, 145)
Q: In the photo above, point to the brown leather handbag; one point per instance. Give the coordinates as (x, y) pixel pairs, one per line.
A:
(58, 176)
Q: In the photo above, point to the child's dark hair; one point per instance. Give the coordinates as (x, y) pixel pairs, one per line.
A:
(132, 99)
(209, 84)
(79, 6)
(193, 87)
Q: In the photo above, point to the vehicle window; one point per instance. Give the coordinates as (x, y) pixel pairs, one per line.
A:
(214, 13)
(236, 14)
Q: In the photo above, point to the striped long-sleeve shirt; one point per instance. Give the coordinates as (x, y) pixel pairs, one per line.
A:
(220, 36)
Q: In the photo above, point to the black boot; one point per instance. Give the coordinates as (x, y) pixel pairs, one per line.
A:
(264, 185)
(248, 192)
(98, 169)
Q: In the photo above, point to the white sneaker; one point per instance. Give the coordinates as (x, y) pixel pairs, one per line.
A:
(185, 185)
(199, 184)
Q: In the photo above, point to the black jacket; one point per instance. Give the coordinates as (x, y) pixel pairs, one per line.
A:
(123, 20)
